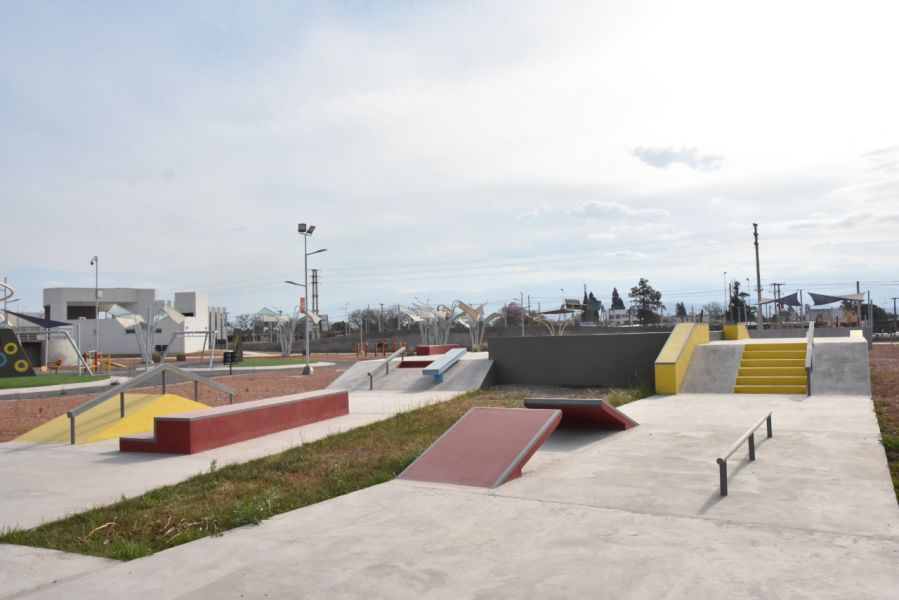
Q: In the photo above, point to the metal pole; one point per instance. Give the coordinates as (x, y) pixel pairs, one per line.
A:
(381, 318)
(96, 262)
(722, 476)
(78, 350)
(758, 276)
(752, 446)
(346, 319)
(724, 308)
(522, 313)
(122, 405)
(307, 370)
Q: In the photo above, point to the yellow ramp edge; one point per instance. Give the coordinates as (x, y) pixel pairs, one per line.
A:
(672, 362)
(737, 331)
(103, 422)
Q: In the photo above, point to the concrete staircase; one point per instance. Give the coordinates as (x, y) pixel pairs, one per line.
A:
(772, 369)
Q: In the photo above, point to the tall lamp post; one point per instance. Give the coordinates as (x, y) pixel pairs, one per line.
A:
(305, 231)
(95, 262)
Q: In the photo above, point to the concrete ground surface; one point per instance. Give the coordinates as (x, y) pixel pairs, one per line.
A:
(74, 478)
(470, 373)
(839, 366)
(631, 514)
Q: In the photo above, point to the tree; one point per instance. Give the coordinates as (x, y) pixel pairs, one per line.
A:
(617, 302)
(714, 310)
(512, 313)
(647, 301)
(680, 311)
(737, 307)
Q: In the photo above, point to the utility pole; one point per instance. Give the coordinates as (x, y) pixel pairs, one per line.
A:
(758, 274)
(315, 300)
(381, 318)
(346, 319)
(777, 302)
(894, 313)
(724, 307)
(523, 315)
(397, 317)
(858, 319)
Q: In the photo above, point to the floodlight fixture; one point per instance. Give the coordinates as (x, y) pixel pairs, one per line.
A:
(301, 228)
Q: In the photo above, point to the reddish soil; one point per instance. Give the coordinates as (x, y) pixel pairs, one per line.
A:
(19, 416)
(885, 385)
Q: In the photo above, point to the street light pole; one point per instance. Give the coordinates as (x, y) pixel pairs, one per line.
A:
(96, 263)
(307, 370)
(306, 232)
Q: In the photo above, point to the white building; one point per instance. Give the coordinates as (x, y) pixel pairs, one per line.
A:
(77, 306)
(621, 317)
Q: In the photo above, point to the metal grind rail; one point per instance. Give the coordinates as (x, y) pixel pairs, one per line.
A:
(750, 436)
(386, 364)
(145, 380)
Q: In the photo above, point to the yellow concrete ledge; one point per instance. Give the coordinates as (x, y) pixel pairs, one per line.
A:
(737, 331)
(672, 362)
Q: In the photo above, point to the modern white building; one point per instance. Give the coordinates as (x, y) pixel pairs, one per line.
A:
(78, 307)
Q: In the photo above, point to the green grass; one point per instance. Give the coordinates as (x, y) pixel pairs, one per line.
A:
(272, 362)
(235, 495)
(8, 383)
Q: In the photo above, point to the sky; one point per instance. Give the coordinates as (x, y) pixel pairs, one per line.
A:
(449, 150)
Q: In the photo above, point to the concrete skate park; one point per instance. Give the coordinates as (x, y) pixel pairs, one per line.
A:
(636, 511)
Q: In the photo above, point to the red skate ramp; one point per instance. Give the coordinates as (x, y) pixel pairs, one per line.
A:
(485, 448)
(587, 413)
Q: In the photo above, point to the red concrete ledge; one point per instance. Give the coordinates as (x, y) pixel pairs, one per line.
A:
(435, 349)
(591, 412)
(195, 431)
(485, 448)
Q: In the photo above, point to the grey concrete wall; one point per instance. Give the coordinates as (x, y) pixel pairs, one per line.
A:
(613, 360)
(713, 369)
(841, 369)
(798, 333)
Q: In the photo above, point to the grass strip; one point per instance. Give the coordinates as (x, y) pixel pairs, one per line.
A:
(241, 494)
(10, 383)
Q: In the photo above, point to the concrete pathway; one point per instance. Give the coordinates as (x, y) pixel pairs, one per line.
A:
(633, 514)
(44, 482)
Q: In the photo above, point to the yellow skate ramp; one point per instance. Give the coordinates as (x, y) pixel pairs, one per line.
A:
(103, 421)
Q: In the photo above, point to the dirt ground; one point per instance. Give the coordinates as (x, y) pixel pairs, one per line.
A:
(885, 385)
(19, 416)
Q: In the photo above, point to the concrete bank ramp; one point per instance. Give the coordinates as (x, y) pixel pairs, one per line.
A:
(472, 372)
(486, 447)
(840, 367)
(713, 369)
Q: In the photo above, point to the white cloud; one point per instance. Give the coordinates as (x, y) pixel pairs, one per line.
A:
(612, 211)
(665, 157)
(628, 254)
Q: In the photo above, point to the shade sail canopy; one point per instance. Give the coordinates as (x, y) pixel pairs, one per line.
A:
(39, 321)
(819, 299)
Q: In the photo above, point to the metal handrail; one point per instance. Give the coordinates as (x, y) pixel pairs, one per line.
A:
(809, 351)
(140, 381)
(386, 365)
(749, 435)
